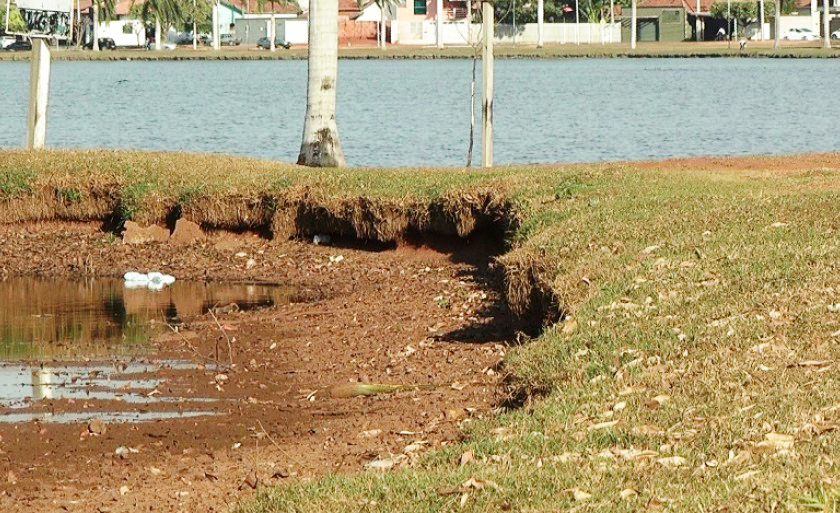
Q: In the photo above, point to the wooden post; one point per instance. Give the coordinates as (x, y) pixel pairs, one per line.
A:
(39, 93)
(487, 85)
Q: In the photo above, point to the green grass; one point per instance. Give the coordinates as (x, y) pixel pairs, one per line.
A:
(701, 325)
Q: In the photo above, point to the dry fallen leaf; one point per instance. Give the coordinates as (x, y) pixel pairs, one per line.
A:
(11, 478)
(780, 441)
(602, 425)
(628, 493)
(672, 461)
(467, 458)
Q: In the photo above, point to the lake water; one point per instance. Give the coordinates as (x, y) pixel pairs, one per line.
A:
(88, 345)
(416, 112)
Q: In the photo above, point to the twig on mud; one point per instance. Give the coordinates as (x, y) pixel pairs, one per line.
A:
(284, 451)
(192, 347)
(230, 347)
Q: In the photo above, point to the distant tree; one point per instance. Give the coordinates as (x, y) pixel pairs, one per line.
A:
(160, 13)
(197, 11)
(16, 23)
(526, 10)
(744, 12)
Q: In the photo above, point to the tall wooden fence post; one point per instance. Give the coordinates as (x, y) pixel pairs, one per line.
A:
(39, 92)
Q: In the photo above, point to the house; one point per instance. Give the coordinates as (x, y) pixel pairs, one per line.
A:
(670, 20)
(354, 25)
(128, 30)
(676, 20)
(416, 22)
(290, 25)
(125, 29)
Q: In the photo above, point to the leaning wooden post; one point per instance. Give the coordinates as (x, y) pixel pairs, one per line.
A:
(39, 92)
(487, 85)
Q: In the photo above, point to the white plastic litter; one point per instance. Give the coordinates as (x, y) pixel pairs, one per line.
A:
(321, 239)
(153, 280)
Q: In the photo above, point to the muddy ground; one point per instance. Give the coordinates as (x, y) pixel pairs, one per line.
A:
(425, 312)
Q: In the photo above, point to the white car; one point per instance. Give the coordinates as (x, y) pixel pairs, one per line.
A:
(800, 34)
(6, 41)
(835, 34)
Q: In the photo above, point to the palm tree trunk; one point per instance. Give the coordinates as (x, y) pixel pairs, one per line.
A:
(95, 27)
(157, 33)
(320, 146)
(777, 23)
(382, 8)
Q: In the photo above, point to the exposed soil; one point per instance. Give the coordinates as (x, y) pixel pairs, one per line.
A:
(425, 313)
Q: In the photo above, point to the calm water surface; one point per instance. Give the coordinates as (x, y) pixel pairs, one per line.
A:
(416, 112)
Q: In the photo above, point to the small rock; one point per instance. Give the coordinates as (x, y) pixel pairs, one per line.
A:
(97, 427)
(133, 233)
(186, 232)
(251, 480)
(11, 478)
(280, 474)
(250, 263)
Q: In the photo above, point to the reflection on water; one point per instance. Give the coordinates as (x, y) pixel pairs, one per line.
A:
(23, 388)
(52, 318)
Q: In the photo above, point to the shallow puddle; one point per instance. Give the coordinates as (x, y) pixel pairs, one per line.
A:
(99, 319)
(68, 348)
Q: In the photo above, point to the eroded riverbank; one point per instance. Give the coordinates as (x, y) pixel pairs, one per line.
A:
(386, 314)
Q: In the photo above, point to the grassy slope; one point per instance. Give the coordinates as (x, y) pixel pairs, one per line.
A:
(711, 289)
(723, 322)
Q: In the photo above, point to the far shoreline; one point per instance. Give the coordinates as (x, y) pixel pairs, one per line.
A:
(708, 49)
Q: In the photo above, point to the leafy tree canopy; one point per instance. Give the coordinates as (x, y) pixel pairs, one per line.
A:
(16, 23)
(747, 12)
(556, 11)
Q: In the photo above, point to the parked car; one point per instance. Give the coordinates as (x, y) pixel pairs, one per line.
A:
(224, 40)
(6, 41)
(265, 42)
(105, 43)
(800, 34)
(18, 46)
(835, 34)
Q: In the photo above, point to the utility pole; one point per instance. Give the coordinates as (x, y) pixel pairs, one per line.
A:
(612, 21)
(697, 22)
(514, 22)
(39, 93)
(540, 16)
(487, 85)
(577, 22)
(633, 25)
(826, 29)
(761, 20)
(439, 22)
(216, 43)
